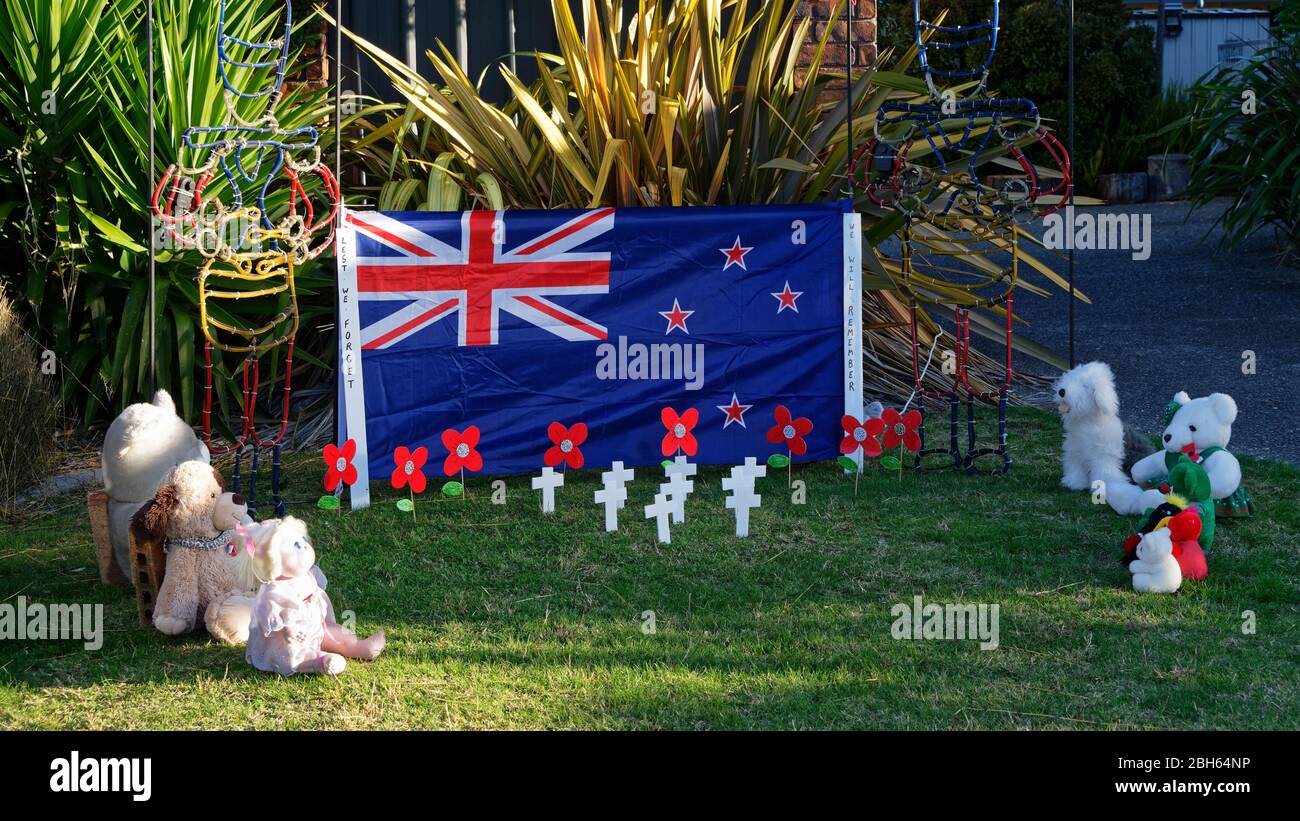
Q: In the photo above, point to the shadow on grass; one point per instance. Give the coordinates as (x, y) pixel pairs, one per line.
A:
(488, 608)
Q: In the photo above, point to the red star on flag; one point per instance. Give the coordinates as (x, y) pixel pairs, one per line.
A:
(735, 412)
(786, 299)
(736, 254)
(676, 318)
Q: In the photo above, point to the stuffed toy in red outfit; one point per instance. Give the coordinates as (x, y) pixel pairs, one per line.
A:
(1181, 513)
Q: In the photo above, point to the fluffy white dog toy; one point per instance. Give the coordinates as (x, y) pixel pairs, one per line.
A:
(1098, 446)
(1155, 570)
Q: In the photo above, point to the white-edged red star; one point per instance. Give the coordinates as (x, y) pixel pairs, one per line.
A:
(735, 411)
(736, 254)
(785, 299)
(676, 318)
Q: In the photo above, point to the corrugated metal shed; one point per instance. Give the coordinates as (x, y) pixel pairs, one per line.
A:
(1207, 38)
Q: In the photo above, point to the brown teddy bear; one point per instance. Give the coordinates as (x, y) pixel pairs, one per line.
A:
(194, 514)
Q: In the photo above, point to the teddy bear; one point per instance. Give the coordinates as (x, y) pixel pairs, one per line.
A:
(196, 518)
(1200, 429)
(1155, 570)
(293, 627)
(1183, 512)
(143, 443)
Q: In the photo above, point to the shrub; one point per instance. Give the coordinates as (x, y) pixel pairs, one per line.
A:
(1248, 153)
(724, 128)
(1115, 65)
(27, 410)
(1133, 139)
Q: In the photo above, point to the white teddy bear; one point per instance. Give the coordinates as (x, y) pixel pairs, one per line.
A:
(144, 442)
(1199, 428)
(1155, 570)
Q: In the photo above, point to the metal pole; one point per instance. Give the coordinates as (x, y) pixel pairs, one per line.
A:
(338, 95)
(462, 34)
(338, 176)
(1160, 46)
(848, 99)
(153, 288)
(1070, 209)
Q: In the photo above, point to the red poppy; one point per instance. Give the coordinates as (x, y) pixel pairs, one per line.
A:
(861, 435)
(790, 430)
(902, 429)
(566, 444)
(461, 453)
(679, 436)
(339, 465)
(408, 468)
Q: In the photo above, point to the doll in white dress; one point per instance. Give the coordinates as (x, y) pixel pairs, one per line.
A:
(293, 628)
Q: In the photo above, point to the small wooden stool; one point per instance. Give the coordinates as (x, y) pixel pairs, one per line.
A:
(148, 566)
(109, 572)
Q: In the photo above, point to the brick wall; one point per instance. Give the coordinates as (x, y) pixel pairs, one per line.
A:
(313, 67)
(837, 47)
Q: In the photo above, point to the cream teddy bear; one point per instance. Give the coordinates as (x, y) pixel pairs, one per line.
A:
(195, 516)
(144, 442)
(1155, 570)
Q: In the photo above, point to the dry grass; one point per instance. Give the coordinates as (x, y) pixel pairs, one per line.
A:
(28, 410)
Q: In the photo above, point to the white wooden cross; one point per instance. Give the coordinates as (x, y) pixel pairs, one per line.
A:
(659, 511)
(547, 483)
(620, 475)
(743, 497)
(678, 486)
(613, 495)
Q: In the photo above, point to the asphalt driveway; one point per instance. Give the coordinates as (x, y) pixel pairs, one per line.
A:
(1183, 320)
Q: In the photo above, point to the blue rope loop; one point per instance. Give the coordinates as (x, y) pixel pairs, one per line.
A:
(269, 153)
(268, 141)
(998, 114)
(279, 47)
(985, 32)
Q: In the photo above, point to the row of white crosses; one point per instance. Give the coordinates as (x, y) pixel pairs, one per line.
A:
(669, 506)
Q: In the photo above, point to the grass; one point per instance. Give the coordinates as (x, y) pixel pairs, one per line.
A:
(500, 618)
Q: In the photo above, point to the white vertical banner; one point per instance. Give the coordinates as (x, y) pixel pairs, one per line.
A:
(351, 381)
(853, 320)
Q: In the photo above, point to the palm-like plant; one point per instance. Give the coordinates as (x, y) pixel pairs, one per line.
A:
(76, 203)
(50, 57)
(689, 102)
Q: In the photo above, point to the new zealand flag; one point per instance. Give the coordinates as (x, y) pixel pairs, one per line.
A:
(512, 320)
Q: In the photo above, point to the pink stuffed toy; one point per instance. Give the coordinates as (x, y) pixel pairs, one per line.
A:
(293, 628)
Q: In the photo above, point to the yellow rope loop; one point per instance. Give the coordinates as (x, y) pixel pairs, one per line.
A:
(274, 270)
(965, 242)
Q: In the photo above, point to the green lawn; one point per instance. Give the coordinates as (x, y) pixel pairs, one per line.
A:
(498, 617)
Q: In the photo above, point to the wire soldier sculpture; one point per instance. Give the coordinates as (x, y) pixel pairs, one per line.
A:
(954, 217)
(249, 256)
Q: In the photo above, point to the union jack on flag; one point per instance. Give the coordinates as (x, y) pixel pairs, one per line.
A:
(428, 280)
(512, 320)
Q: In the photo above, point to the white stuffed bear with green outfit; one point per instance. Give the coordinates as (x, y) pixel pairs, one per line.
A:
(1199, 428)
